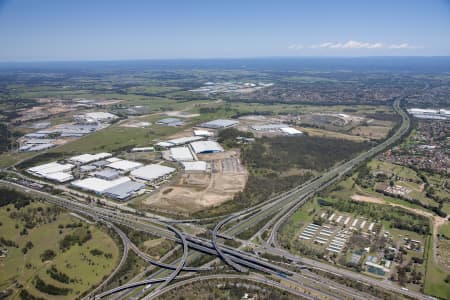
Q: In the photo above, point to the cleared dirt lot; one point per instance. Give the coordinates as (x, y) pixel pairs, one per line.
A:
(375, 130)
(44, 110)
(195, 191)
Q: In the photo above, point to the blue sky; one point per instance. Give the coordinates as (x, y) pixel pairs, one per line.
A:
(136, 29)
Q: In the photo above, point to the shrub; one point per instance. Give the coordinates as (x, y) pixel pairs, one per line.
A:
(50, 289)
(48, 255)
(58, 275)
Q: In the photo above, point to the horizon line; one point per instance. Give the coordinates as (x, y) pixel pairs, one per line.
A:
(218, 58)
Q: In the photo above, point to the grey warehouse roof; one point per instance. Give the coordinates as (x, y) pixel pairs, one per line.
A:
(168, 120)
(101, 163)
(220, 123)
(171, 122)
(107, 174)
(124, 190)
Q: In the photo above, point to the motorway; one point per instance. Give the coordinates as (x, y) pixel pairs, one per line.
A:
(222, 255)
(253, 278)
(278, 209)
(287, 204)
(199, 244)
(284, 205)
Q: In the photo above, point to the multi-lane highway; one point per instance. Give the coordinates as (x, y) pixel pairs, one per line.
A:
(203, 245)
(276, 211)
(222, 255)
(288, 202)
(252, 278)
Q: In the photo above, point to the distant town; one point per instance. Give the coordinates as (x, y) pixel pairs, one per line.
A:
(192, 183)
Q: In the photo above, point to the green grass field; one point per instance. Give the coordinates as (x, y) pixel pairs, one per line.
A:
(389, 168)
(77, 262)
(445, 230)
(446, 208)
(282, 108)
(435, 284)
(294, 226)
(116, 137)
(344, 189)
(7, 159)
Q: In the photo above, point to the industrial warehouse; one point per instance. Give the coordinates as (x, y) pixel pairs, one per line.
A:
(48, 137)
(181, 154)
(179, 141)
(219, 124)
(281, 128)
(121, 179)
(103, 174)
(271, 150)
(87, 158)
(173, 122)
(198, 155)
(203, 147)
(152, 173)
(53, 171)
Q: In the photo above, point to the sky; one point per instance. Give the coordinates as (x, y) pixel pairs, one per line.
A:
(68, 30)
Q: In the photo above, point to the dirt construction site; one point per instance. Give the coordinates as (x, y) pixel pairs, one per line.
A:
(193, 191)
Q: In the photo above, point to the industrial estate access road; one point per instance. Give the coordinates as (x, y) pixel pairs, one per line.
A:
(276, 210)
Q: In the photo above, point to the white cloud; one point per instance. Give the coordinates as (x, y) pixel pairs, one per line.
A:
(351, 44)
(403, 46)
(296, 47)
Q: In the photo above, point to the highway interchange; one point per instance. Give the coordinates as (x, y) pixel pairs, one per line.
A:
(301, 281)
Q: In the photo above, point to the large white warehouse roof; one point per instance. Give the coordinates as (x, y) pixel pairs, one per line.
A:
(53, 171)
(444, 111)
(59, 176)
(49, 168)
(142, 149)
(203, 133)
(113, 159)
(291, 131)
(206, 147)
(98, 185)
(152, 172)
(124, 165)
(87, 158)
(100, 116)
(179, 141)
(423, 111)
(181, 154)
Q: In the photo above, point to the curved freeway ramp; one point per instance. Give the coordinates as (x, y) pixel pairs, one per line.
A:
(257, 279)
(222, 255)
(164, 281)
(155, 262)
(182, 262)
(133, 285)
